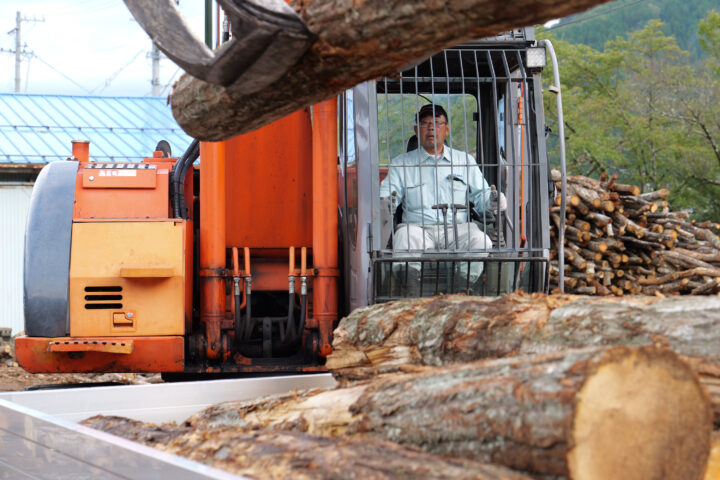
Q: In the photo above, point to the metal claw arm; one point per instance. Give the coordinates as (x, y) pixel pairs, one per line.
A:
(268, 39)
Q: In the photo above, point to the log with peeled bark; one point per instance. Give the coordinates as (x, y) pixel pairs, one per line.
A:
(671, 277)
(450, 329)
(597, 413)
(355, 41)
(292, 455)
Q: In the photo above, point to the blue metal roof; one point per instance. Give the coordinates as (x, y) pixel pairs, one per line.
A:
(38, 129)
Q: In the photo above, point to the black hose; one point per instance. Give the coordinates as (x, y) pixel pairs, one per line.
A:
(289, 328)
(238, 319)
(195, 154)
(248, 317)
(281, 328)
(177, 178)
(303, 312)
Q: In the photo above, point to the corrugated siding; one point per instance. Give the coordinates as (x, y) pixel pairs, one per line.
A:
(14, 204)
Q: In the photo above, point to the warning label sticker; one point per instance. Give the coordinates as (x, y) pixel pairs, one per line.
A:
(117, 173)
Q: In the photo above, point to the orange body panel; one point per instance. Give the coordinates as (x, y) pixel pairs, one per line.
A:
(269, 185)
(107, 190)
(127, 278)
(270, 276)
(150, 354)
(81, 150)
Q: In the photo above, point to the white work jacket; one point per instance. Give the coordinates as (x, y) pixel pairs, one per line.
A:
(422, 180)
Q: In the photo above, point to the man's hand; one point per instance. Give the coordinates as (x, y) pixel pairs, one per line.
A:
(498, 199)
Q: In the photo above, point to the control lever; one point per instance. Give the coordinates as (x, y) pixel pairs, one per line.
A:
(455, 208)
(444, 208)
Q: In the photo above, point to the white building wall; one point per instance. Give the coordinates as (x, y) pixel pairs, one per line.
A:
(14, 204)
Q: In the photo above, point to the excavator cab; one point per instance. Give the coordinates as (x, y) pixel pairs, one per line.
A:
(493, 102)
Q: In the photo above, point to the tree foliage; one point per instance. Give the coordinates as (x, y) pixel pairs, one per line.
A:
(606, 22)
(643, 108)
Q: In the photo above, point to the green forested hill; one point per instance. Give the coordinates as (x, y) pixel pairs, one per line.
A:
(641, 107)
(617, 18)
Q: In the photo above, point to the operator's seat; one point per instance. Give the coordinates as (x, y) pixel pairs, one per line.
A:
(412, 144)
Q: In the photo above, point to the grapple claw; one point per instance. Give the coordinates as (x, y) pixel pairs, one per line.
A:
(268, 39)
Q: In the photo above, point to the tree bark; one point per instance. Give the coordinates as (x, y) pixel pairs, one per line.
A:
(356, 41)
(451, 329)
(456, 328)
(583, 414)
(296, 455)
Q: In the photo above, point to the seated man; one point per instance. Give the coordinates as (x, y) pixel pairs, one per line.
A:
(435, 175)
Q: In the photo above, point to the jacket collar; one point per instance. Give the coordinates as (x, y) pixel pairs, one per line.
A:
(426, 157)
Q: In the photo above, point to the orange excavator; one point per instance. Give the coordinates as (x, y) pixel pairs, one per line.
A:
(245, 260)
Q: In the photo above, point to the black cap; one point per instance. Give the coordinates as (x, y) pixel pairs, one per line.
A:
(427, 110)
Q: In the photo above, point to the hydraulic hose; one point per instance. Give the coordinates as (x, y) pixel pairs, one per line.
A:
(303, 309)
(248, 309)
(289, 331)
(177, 178)
(238, 316)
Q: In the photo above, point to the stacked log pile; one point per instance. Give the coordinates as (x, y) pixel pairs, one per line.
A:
(620, 241)
(548, 386)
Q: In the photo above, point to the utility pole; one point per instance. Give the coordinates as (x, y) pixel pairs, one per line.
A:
(20, 50)
(155, 55)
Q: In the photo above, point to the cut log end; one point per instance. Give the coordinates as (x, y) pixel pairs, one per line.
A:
(641, 415)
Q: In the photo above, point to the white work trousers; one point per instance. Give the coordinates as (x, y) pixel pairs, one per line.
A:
(432, 237)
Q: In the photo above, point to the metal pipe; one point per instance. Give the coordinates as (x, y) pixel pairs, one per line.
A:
(325, 221)
(248, 327)
(248, 309)
(303, 307)
(236, 284)
(208, 24)
(289, 330)
(212, 244)
(555, 88)
(81, 150)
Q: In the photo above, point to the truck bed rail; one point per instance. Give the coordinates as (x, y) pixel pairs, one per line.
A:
(40, 439)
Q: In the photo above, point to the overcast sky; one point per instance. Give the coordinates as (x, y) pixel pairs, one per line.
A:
(84, 47)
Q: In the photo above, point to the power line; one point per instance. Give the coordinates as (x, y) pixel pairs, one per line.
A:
(80, 10)
(112, 77)
(61, 73)
(599, 14)
(170, 82)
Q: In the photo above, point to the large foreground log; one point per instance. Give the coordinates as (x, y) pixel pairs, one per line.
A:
(630, 413)
(292, 455)
(356, 41)
(458, 328)
(450, 329)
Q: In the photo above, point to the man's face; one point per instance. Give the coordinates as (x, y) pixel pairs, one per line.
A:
(432, 134)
